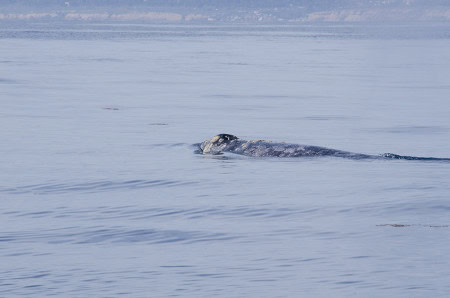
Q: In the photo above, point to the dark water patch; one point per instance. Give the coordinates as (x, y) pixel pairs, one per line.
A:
(179, 145)
(308, 260)
(92, 187)
(111, 108)
(416, 288)
(39, 275)
(162, 82)
(348, 282)
(158, 124)
(36, 214)
(235, 63)
(36, 275)
(6, 238)
(18, 254)
(8, 81)
(325, 118)
(218, 156)
(101, 59)
(211, 275)
(221, 96)
(394, 225)
(412, 225)
(260, 96)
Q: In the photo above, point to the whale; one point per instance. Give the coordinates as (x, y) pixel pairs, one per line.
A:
(228, 143)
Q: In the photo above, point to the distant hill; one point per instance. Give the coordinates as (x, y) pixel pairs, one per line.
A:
(229, 4)
(229, 10)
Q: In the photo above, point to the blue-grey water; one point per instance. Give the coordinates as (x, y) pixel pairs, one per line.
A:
(101, 194)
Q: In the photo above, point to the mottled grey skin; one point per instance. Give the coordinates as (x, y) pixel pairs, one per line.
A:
(260, 148)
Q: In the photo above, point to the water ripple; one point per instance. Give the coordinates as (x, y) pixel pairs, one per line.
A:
(133, 213)
(97, 234)
(91, 187)
(198, 213)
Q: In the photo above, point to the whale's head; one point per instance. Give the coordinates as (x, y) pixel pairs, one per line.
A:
(218, 144)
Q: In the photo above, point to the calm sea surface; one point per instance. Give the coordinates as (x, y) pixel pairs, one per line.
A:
(101, 194)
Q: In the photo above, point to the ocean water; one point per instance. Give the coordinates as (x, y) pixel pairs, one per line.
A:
(102, 196)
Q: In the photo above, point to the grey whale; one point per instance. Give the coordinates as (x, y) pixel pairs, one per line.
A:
(260, 148)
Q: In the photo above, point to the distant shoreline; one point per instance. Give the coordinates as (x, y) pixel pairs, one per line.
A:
(257, 16)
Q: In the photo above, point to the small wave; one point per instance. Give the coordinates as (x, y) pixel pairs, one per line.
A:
(326, 118)
(158, 124)
(114, 235)
(196, 213)
(150, 214)
(103, 59)
(92, 187)
(8, 81)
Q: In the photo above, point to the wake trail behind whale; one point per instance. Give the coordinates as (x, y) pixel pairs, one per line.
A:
(406, 157)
